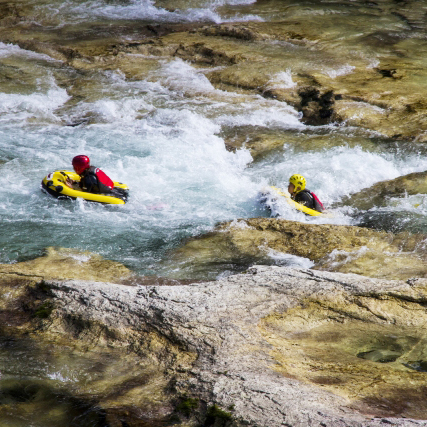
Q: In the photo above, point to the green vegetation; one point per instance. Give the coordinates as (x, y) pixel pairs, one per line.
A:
(187, 406)
(44, 310)
(215, 412)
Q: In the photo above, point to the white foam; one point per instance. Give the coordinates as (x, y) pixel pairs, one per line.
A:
(341, 71)
(374, 63)
(337, 258)
(415, 204)
(147, 10)
(259, 112)
(290, 260)
(125, 111)
(58, 376)
(81, 258)
(180, 86)
(334, 173)
(38, 105)
(22, 107)
(240, 224)
(8, 49)
(181, 77)
(282, 80)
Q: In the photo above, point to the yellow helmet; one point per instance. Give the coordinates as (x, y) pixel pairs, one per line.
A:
(298, 181)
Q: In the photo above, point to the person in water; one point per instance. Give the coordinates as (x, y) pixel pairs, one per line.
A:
(92, 179)
(303, 195)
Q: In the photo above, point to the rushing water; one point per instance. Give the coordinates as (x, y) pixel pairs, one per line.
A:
(163, 135)
(162, 138)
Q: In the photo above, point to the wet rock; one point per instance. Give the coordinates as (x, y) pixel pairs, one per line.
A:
(317, 108)
(381, 193)
(238, 244)
(272, 346)
(367, 98)
(235, 32)
(301, 336)
(259, 141)
(381, 88)
(276, 141)
(64, 263)
(13, 13)
(91, 373)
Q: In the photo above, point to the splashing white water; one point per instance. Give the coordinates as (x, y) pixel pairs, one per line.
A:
(147, 10)
(161, 137)
(341, 71)
(282, 80)
(8, 49)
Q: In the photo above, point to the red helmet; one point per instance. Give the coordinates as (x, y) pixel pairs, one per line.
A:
(81, 163)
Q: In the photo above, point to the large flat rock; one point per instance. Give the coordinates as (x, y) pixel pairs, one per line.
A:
(279, 346)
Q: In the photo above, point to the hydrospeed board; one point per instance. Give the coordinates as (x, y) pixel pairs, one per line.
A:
(54, 184)
(297, 205)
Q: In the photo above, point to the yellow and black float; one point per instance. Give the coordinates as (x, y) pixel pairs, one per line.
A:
(54, 184)
(296, 205)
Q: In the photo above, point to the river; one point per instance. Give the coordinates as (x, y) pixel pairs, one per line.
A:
(164, 135)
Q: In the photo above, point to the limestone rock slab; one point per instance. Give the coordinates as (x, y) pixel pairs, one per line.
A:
(280, 346)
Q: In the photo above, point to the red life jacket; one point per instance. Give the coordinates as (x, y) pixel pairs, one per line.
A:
(104, 181)
(318, 205)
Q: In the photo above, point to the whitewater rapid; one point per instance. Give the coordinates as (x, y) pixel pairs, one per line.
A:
(163, 137)
(158, 124)
(59, 13)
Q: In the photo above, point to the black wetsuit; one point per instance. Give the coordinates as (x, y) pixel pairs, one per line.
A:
(307, 198)
(94, 180)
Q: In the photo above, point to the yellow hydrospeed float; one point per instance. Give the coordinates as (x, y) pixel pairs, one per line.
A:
(54, 184)
(296, 205)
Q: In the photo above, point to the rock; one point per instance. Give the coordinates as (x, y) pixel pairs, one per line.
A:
(64, 263)
(359, 113)
(262, 141)
(258, 140)
(381, 192)
(13, 14)
(346, 249)
(270, 347)
(380, 88)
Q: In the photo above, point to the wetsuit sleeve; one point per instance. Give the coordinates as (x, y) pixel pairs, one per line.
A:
(304, 199)
(89, 183)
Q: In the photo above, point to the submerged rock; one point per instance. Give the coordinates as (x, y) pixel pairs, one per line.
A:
(348, 249)
(270, 347)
